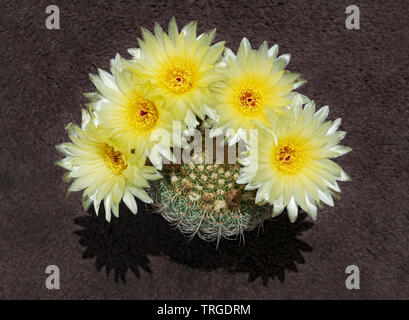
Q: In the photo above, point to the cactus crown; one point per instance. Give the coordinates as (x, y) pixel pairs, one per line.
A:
(205, 185)
(204, 199)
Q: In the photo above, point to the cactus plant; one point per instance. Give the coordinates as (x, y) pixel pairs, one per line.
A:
(204, 199)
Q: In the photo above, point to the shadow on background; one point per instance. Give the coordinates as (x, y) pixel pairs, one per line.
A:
(126, 243)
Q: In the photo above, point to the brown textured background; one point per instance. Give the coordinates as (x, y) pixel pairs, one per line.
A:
(361, 74)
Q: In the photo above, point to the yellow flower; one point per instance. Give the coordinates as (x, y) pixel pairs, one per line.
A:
(181, 66)
(254, 81)
(106, 169)
(293, 165)
(132, 112)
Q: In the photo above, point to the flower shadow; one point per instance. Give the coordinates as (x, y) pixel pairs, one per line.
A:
(127, 242)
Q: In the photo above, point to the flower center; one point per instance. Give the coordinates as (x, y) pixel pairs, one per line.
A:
(248, 100)
(287, 158)
(178, 78)
(143, 114)
(114, 160)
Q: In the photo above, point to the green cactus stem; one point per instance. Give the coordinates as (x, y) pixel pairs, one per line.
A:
(204, 200)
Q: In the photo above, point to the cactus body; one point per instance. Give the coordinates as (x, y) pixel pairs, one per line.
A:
(204, 199)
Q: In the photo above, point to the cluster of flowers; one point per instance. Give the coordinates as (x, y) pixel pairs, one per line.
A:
(179, 76)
